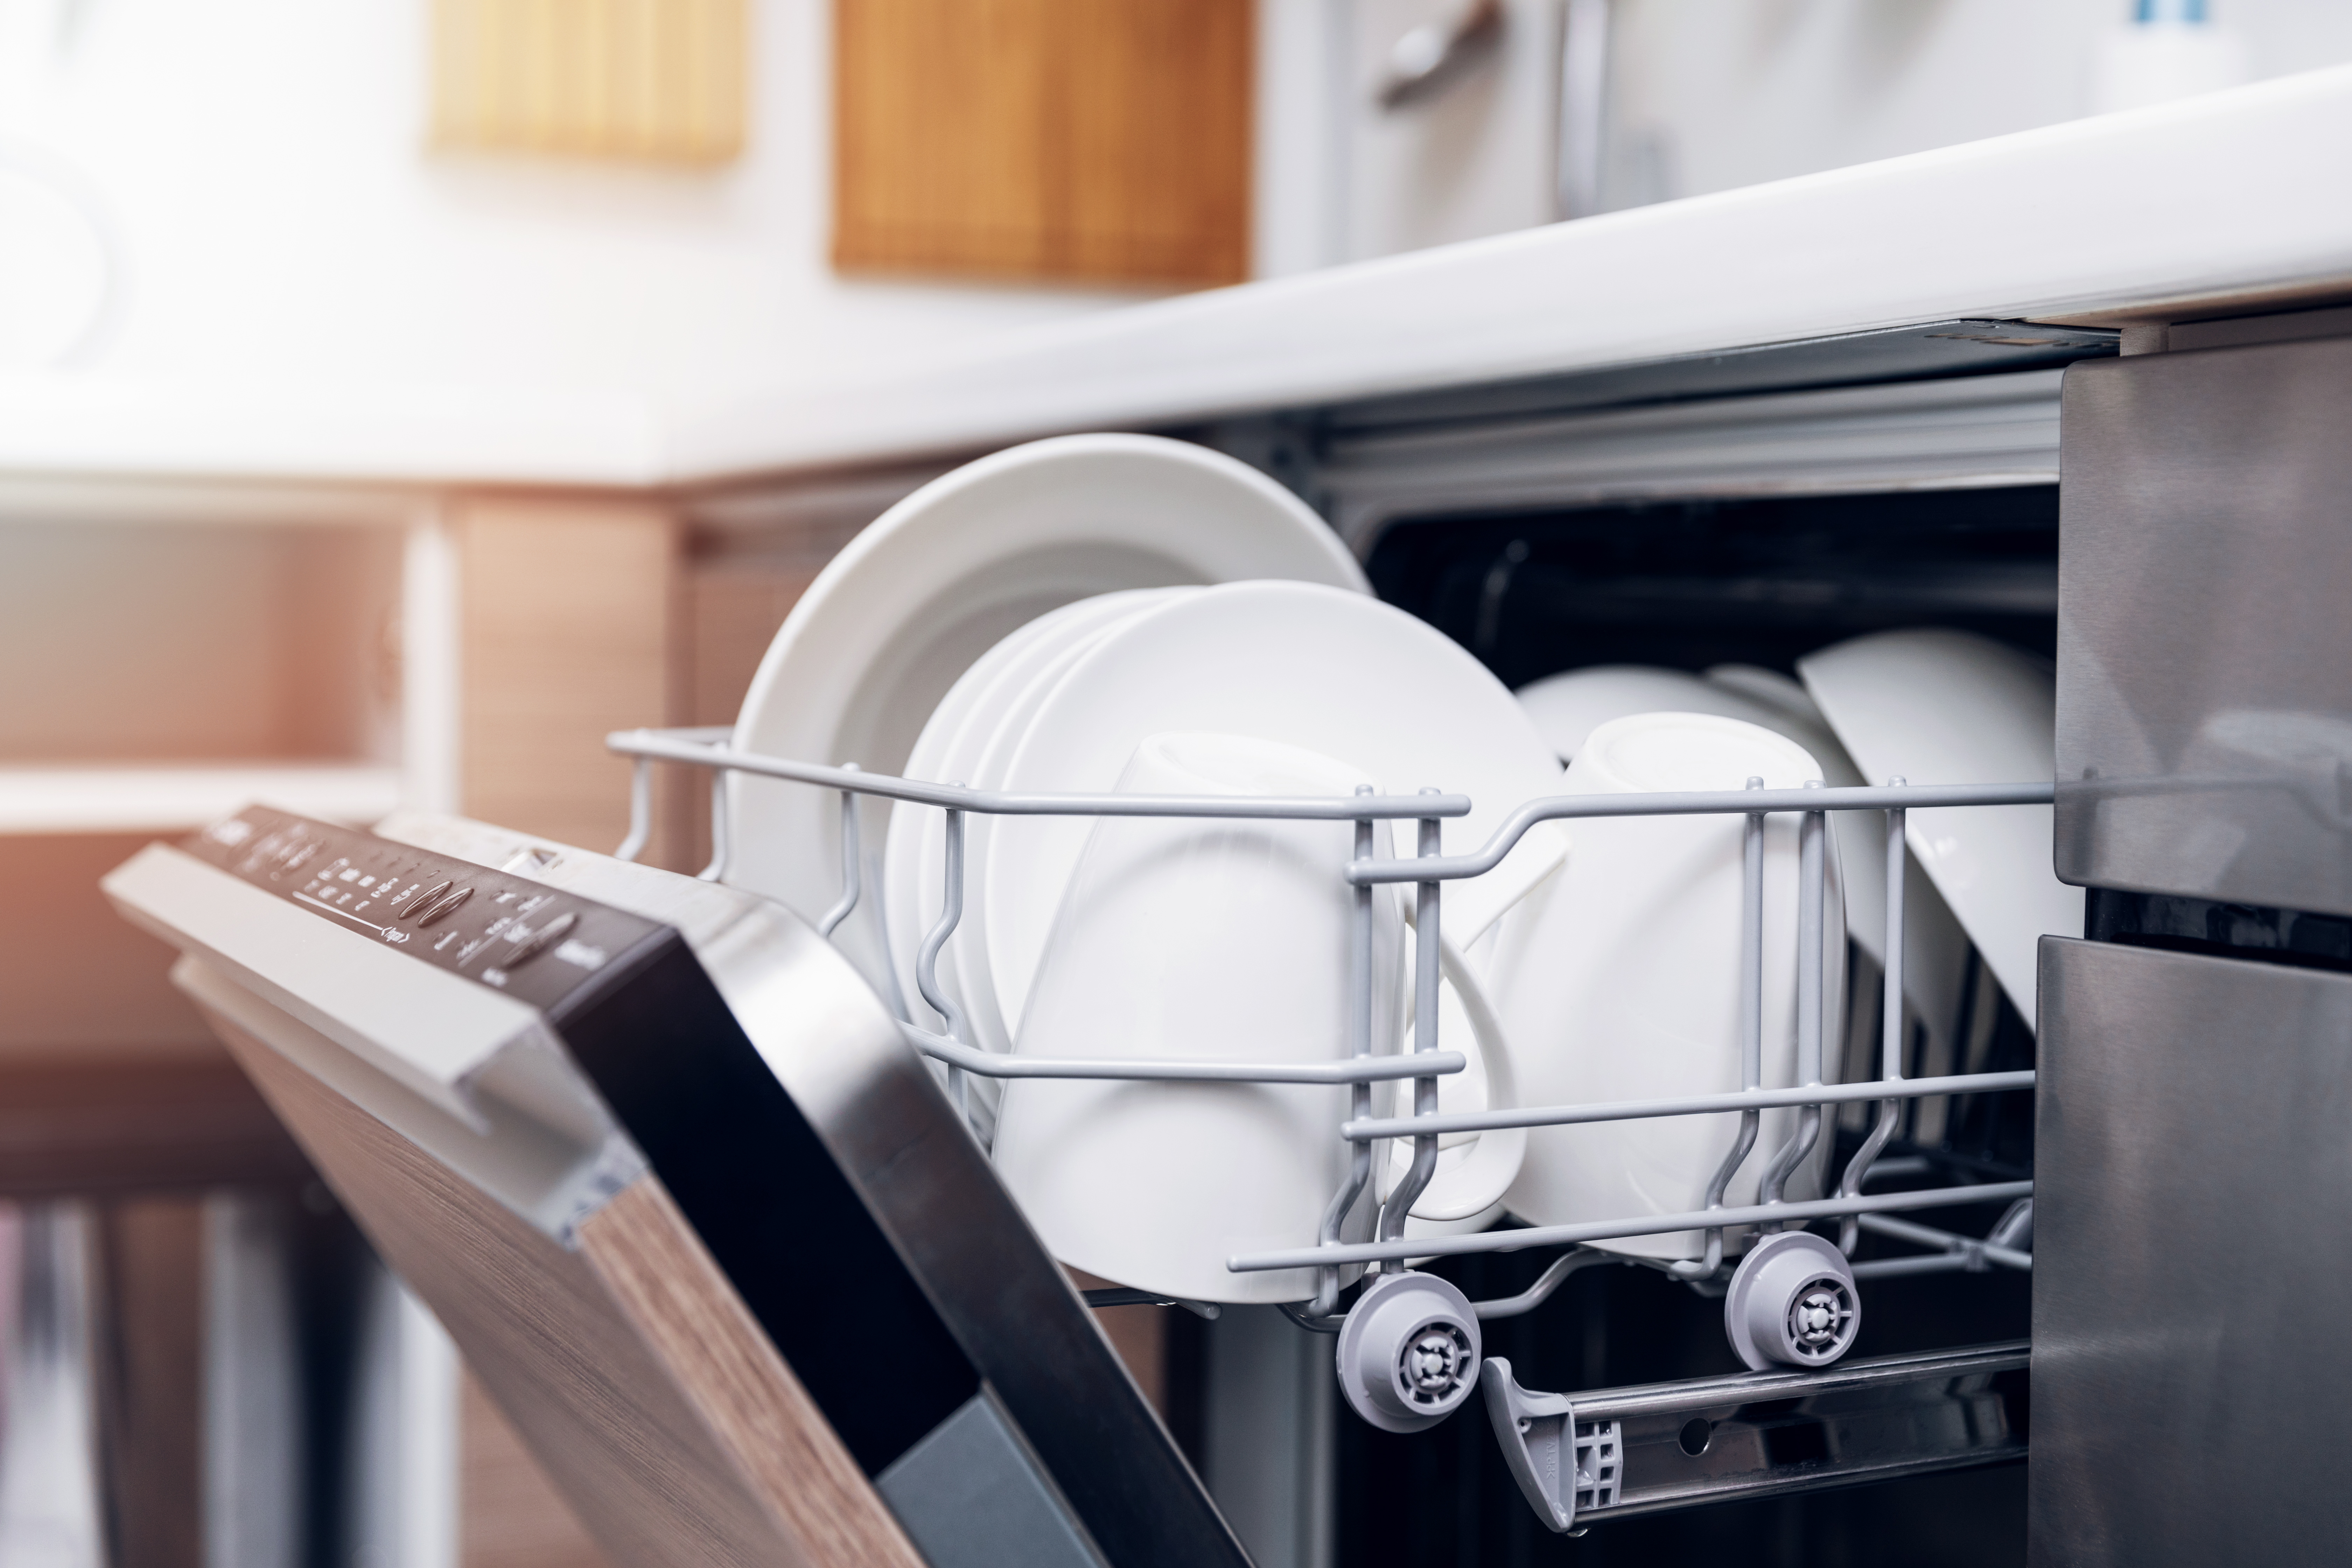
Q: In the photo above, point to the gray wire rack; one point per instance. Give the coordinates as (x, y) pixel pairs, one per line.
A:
(1427, 871)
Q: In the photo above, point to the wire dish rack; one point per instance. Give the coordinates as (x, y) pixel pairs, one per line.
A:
(1409, 1349)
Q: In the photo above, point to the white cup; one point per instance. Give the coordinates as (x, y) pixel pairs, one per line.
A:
(1620, 979)
(1202, 939)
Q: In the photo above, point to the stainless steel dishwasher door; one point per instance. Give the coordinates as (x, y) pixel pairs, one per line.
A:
(2193, 1261)
(2204, 715)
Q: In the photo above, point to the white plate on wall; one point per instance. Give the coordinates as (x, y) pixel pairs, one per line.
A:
(1945, 707)
(887, 627)
(1292, 662)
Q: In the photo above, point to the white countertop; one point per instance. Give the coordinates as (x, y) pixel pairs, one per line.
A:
(2177, 210)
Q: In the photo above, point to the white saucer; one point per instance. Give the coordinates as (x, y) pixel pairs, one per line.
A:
(1304, 664)
(1951, 707)
(938, 580)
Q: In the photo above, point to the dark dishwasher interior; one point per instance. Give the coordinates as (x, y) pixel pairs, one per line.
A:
(1690, 584)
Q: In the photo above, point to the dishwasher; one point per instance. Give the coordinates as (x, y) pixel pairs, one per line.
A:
(2108, 1346)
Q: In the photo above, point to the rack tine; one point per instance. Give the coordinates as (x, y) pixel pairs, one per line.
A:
(722, 829)
(1812, 891)
(1570, 1262)
(641, 810)
(1426, 947)
(849, 861)
(1428, 868)
(1890, 1029)
(1751, 1033)
(879, 907)
(1359, 1096)
(927, 963)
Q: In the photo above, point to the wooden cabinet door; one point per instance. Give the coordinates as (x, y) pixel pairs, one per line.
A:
(1093, 140)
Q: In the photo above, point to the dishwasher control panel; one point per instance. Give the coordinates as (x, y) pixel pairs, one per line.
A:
(497, 928)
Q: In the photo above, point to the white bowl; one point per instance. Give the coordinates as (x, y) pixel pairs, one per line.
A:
(883, 632)
(1941, 707)
(1571, 705)
(1568, 707)
(1619, 980)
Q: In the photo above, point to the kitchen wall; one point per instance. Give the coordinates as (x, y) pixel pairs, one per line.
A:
(1702, 96)
(1711, 94)
(241, 190)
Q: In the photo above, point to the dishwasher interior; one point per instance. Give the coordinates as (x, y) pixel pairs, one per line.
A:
(1249, 1391)
(1690, 584)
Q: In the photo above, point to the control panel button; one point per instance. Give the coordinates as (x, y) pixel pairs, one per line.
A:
(446, 908)
(429, 898)
(531, 943)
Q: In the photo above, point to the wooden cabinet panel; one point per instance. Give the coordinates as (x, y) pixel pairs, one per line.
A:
(567, 610)
(509, 1515)
(679, 1436)
(659, 80)
(1103, 139)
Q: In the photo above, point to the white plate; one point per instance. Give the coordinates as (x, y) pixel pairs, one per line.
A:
(1935, 948)
(951, 751)
(1951, 708)
(1308, 666)
(1770, 687)
(941, 577)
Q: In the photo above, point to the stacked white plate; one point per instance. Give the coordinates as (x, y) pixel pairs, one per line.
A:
(892, 622)
(1062, 704)
(1027, 624)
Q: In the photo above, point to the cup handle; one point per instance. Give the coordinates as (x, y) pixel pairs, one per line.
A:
(1478, 1183)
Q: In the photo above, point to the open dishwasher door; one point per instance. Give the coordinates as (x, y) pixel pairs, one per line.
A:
(699, 1220)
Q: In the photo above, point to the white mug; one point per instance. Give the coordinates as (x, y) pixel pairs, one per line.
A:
(1619, 980)
(1202, 939)
(1474, 1169)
